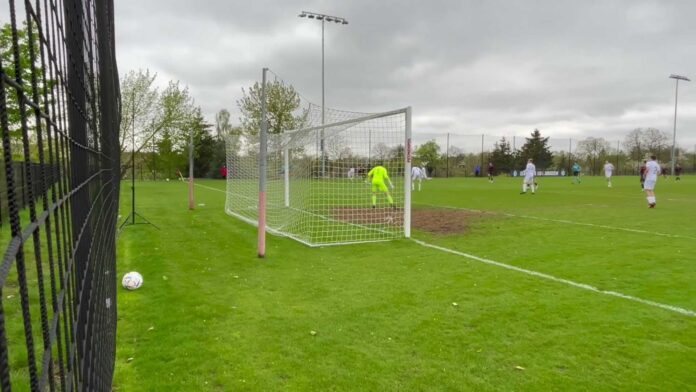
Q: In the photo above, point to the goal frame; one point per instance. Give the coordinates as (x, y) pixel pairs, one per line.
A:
(263, 228)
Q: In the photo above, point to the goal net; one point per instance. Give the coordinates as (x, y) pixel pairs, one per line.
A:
(324, 198)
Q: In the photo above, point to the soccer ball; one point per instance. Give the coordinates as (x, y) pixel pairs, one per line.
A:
(132, 280)
(167, 180)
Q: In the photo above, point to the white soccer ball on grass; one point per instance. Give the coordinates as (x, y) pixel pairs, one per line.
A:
(132, 280)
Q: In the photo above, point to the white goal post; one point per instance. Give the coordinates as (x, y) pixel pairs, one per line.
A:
(324, 197)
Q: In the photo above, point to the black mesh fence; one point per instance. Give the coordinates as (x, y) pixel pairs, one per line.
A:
(59, 117)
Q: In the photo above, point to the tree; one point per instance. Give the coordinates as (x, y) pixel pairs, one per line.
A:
(633, 142)
(537, 149)
(594, 151)
(204, 164)
(656, 142)
(282, 102)
(428, 154)
(146, 113)
(644, 141)
(27, 72)
(222, 124)
(380, 151)
(502, 156)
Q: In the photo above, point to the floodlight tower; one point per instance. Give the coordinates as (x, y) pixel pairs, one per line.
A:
(677, 78)
(323, 18)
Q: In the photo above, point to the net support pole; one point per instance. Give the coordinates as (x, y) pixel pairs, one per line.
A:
(481, 171)
(674, 135)
(286, 171)
(190, 185)
(447, 157)
(262, 169)
(407, 176)
(618, 153)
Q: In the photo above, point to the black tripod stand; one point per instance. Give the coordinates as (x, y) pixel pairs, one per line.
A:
(130, 219)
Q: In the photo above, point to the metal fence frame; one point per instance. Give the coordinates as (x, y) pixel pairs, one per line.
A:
(58, 275)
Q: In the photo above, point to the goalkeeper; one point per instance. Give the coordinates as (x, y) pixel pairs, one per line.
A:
(378, 175)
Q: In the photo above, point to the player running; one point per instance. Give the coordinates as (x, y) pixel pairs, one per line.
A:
(608, 171)
(652, 170)
(529, 174)
(642, 174)
(491, 172)
(576, 173)
(417, 174)
(378, 175)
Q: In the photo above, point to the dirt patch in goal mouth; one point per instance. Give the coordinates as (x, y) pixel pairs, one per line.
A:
(436, 221)
(443, 221)
(384, 216)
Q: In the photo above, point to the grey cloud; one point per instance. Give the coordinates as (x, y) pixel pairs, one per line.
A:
(490, 66)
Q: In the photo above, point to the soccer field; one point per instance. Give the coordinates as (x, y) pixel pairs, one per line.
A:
(578, 287)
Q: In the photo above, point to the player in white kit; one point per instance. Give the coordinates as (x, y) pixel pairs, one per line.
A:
(608, 171)
(652, 170)
(351, 173)
(529, 174)
(417, 174)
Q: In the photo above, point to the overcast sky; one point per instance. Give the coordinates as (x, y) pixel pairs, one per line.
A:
(570, 68)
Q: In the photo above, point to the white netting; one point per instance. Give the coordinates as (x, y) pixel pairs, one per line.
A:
(323, 199)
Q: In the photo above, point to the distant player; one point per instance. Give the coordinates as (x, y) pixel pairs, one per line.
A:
(351, 173)
(424, 172)
(652, 171)
(608, 171)
(529, 174)
(576, 173)
(378, 175)
(677, 172)
(642, 174)
(417, 175)
(664, 172)
(491, 172)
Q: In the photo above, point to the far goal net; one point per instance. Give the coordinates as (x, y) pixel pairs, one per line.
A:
(322, 196)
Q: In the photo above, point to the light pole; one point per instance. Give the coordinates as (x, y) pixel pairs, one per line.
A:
(323, 18)
(677, 78)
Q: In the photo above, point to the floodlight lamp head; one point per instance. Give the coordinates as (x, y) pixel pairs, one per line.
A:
(329, 19)
(320, 17)
(345, 22)
(679, 77)
(310, 16)
(302, 15)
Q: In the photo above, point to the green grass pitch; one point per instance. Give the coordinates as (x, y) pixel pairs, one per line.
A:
(213, 317)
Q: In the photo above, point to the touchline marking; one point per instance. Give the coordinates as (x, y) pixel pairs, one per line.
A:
(567, 222)
(676, 309)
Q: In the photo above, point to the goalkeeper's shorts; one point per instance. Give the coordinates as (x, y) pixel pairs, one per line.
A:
(379, 186)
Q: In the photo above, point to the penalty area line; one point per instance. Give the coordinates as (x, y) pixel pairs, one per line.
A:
(676, 309)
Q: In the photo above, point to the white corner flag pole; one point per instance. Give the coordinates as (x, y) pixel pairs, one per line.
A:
(262, 169)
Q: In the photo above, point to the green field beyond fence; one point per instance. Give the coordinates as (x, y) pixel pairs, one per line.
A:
(578, 287)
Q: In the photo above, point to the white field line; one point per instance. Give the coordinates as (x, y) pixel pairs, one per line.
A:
(583, 286)
(676, 309)
(569, 222)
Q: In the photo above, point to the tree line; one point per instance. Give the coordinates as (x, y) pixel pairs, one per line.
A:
(591, 153)
(157, 125)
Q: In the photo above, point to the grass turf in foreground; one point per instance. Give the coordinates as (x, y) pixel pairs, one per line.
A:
(211, 316)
